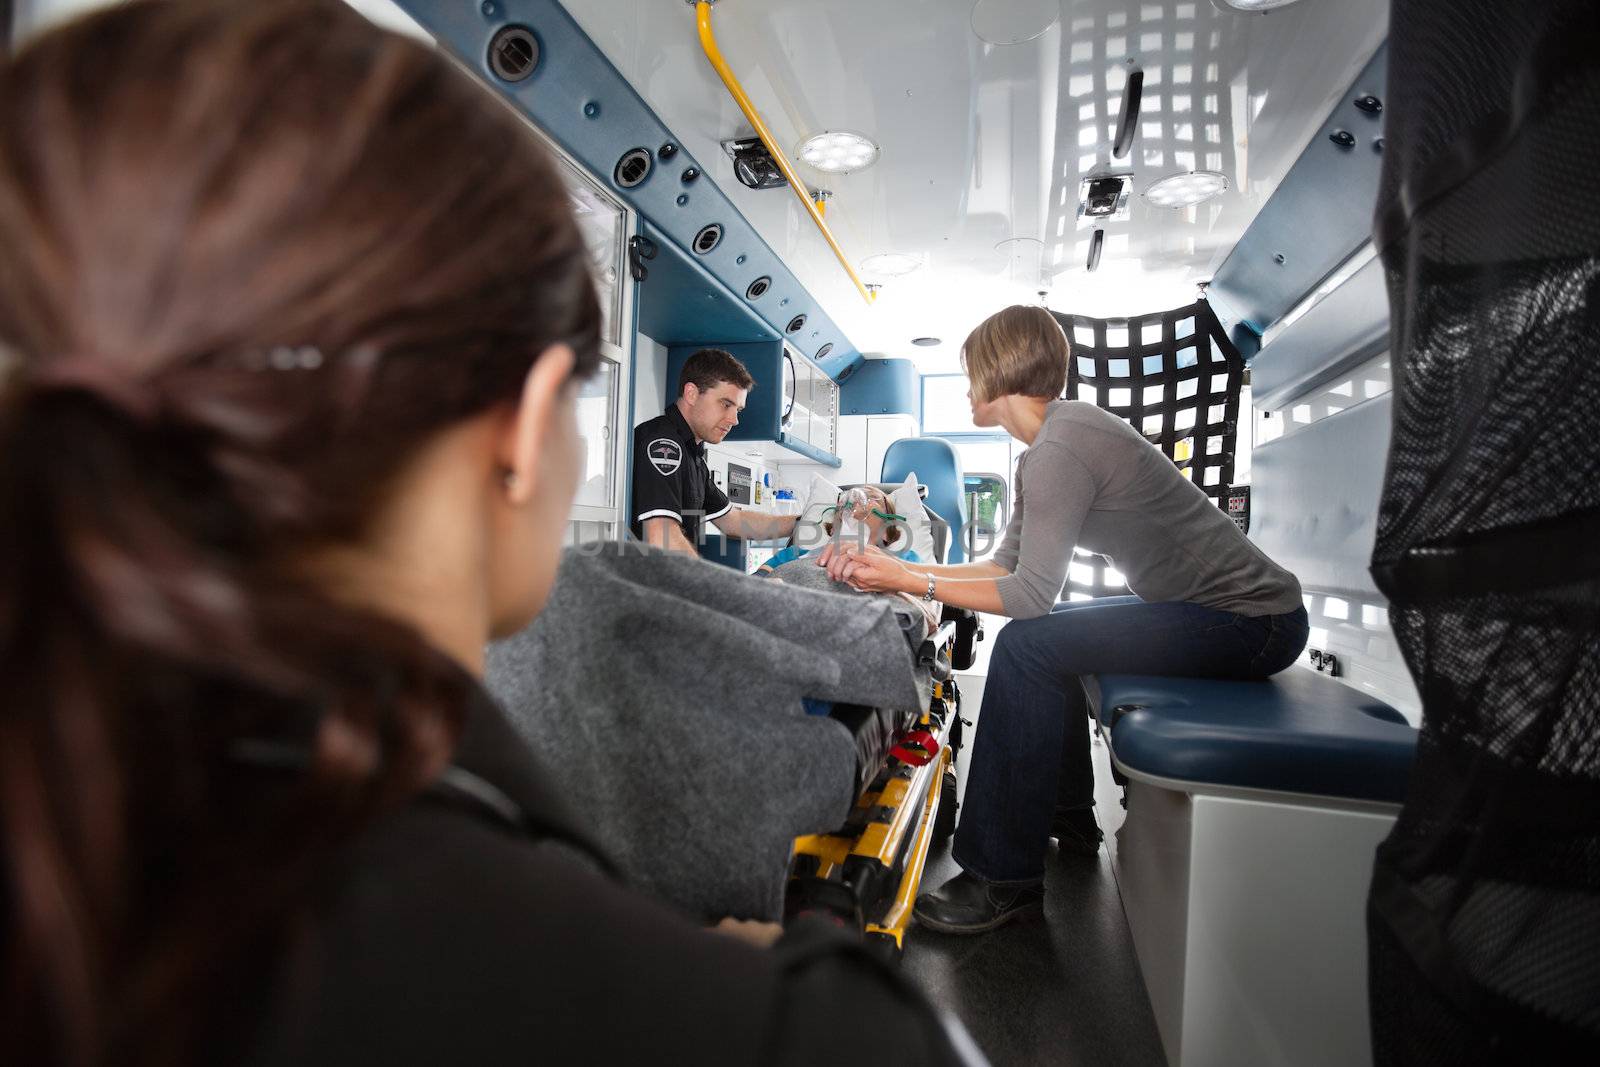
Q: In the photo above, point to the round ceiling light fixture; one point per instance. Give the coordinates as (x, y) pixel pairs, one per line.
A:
(1256, 7)
(926, 342)
(890, 264)
(838, 151)
(1186, 190)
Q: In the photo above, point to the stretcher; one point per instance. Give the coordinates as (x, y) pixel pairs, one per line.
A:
(867, 873)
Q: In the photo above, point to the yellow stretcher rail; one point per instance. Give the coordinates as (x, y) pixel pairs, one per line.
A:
(708, 42)
(898, 917)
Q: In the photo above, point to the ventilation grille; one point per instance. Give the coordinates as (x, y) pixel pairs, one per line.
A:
(797, 324)
(822, 353)
(708, 238)
(514, 53)
(633, 168)
(758, 288)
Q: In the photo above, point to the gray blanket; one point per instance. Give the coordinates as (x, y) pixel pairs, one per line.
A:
(663, 694)
(803, 573)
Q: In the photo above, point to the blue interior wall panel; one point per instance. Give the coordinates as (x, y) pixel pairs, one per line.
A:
(587, 106)
(681, 303)
(1348, 327)
(1320, 214)
(882, 387)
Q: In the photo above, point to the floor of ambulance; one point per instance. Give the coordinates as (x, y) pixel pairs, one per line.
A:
(1062, 990)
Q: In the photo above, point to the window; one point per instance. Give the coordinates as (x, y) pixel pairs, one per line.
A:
(988, 511)
(945, 408)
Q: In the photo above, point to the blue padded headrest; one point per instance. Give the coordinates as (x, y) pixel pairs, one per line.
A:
(938, 467)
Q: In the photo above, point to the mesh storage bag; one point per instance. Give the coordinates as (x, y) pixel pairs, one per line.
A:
(1175, 377)
(1484, 916)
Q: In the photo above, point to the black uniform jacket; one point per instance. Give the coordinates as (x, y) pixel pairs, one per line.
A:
(463, 931)
(670, 476)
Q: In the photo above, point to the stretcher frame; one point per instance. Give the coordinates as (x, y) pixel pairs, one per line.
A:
(867, 874)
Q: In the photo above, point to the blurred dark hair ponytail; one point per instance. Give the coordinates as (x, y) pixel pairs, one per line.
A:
(251, 256)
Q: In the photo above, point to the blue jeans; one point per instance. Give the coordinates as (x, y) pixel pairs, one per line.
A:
(1031, 753)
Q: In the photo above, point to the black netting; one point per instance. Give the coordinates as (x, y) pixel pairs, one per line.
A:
(1175, 377)
(1485, 912)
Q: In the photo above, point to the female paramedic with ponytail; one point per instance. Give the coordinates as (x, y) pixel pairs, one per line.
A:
(1208, 603)
(292, 313)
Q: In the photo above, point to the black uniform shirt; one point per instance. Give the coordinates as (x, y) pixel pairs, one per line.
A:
(670, 476)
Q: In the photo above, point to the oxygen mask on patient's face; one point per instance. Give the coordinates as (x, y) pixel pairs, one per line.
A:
(849, 517)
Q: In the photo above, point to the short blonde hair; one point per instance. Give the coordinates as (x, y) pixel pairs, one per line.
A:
(1021, 350)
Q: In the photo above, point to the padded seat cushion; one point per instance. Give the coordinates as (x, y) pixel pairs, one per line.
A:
(1297, 732)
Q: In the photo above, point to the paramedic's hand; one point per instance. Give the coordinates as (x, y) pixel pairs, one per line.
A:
(759, 934)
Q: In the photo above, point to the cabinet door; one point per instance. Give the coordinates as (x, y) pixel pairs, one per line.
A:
(601, 220)
(597, 510)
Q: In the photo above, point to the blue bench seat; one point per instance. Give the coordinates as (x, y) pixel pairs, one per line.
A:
(1297, 732)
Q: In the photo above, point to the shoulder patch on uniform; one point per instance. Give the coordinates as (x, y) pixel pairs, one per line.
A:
(665, 454)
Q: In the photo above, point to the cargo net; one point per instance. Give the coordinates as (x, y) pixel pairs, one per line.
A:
(1484, 919)
(1175, 377)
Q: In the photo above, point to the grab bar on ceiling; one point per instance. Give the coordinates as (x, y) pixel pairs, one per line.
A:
(708, 42)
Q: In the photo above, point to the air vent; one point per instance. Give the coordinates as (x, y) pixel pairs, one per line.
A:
(797, 324)
(708, 238)
(633, 168)
(848, 370)
(822, 353)
(514, 53)
(758, 288)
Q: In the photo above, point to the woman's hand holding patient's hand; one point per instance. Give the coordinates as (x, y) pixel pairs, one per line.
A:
(870, 569)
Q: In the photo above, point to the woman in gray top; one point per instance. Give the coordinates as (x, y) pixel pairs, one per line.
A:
(1206, 603)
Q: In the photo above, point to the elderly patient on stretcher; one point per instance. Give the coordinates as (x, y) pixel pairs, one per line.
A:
(862, 516)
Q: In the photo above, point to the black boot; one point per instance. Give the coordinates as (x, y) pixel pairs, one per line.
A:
(1077, 832)
(966, 904)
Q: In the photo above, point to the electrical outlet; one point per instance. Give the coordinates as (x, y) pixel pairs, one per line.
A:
(1324, 662)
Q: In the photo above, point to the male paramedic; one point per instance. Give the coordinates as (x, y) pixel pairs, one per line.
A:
(673, 493)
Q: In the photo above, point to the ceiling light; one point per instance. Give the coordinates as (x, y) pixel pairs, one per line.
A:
(1185, 190)
(890, 264)
(838, 151)
(925, 342)
(1253, 7)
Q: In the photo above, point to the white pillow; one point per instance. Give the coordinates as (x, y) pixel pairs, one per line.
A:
(907, 501)
(821, 495)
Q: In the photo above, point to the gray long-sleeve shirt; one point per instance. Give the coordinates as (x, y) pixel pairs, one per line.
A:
(1090, 480)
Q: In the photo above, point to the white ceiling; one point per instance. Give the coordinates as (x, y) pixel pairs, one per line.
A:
(981, 142)
(986, 143)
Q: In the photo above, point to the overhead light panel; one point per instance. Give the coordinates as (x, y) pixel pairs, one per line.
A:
(838, 151)
(890, 264)
(1186, 190)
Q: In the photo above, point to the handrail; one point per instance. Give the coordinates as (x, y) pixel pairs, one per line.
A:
(708, 42)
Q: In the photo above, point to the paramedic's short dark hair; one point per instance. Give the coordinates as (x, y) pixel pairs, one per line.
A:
(709, 366)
